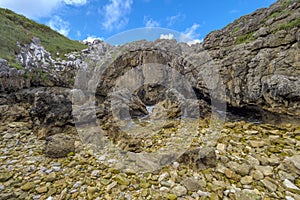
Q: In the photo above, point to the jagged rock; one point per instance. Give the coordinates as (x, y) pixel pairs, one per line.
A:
(259, 58)
(59, 145)
(201, 158)
(51, 112)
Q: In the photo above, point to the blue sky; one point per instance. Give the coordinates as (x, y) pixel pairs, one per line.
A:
(82, 19)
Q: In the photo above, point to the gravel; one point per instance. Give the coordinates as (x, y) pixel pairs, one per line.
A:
(245, 169)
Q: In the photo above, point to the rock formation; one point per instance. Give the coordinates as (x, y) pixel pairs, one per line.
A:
(255, 59)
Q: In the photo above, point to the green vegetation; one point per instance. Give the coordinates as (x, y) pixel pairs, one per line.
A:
(276, 14)
(235, 30)
(285, 4)
(245, 38)
(17, 28)
(290, 25)
(17, 65)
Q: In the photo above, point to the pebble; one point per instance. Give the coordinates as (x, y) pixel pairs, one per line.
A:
(269, 185)
(192, 184)
(291, 186)
(179, 190)
(242, 171)
(246, 180)
(28, 186)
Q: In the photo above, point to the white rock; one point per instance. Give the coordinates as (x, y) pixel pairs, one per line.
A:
(289, 198)
(163, 176)
(295, 160)
(291, 186)
(221, 148)
(164, 189)
(201, 193)
(179, 190)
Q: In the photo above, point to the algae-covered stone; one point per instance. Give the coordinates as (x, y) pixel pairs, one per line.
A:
(43, 189)
(5, 176)
(122, 180)
(28, 186)
(50, 177)
(171, 196)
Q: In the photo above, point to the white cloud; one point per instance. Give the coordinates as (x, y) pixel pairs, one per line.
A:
(115, 14)
(78, 33)
(31, 8)
(195, 41)
(169, 36)
(92, 38)
(173, 19)
(58, 24)
(190, 35)
(233, 11)
(38, 8)
(150, 23)
(75, 2)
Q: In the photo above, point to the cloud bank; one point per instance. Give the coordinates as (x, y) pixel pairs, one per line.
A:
(35, 9)
(58, 24)
(115, 14)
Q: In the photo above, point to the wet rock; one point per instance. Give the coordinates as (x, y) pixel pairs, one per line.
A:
(59, 145)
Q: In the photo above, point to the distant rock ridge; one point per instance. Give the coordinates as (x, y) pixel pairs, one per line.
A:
(256, 56)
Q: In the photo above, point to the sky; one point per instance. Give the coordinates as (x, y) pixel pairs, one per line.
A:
(121, 21)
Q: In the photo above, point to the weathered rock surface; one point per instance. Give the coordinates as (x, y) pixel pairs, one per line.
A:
(59, 145)
(259, 55)
(255, 60)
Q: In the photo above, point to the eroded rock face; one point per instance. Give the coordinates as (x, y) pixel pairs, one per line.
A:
(259, 55)
(255, 60)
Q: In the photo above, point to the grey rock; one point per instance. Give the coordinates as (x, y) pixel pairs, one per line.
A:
(59, 145)
(257, 175)
(247, 194)
(179, 190)
(266, 170)
(200, 158)
(272, 187)
(241, 169)
(295, 160)
(246, 180)
(291, 186)
(192, 184)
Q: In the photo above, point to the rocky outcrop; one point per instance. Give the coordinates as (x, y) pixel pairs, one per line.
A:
(259, 55)
(251, 63)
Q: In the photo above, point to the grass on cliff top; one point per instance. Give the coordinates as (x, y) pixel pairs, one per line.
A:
(14, 27)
